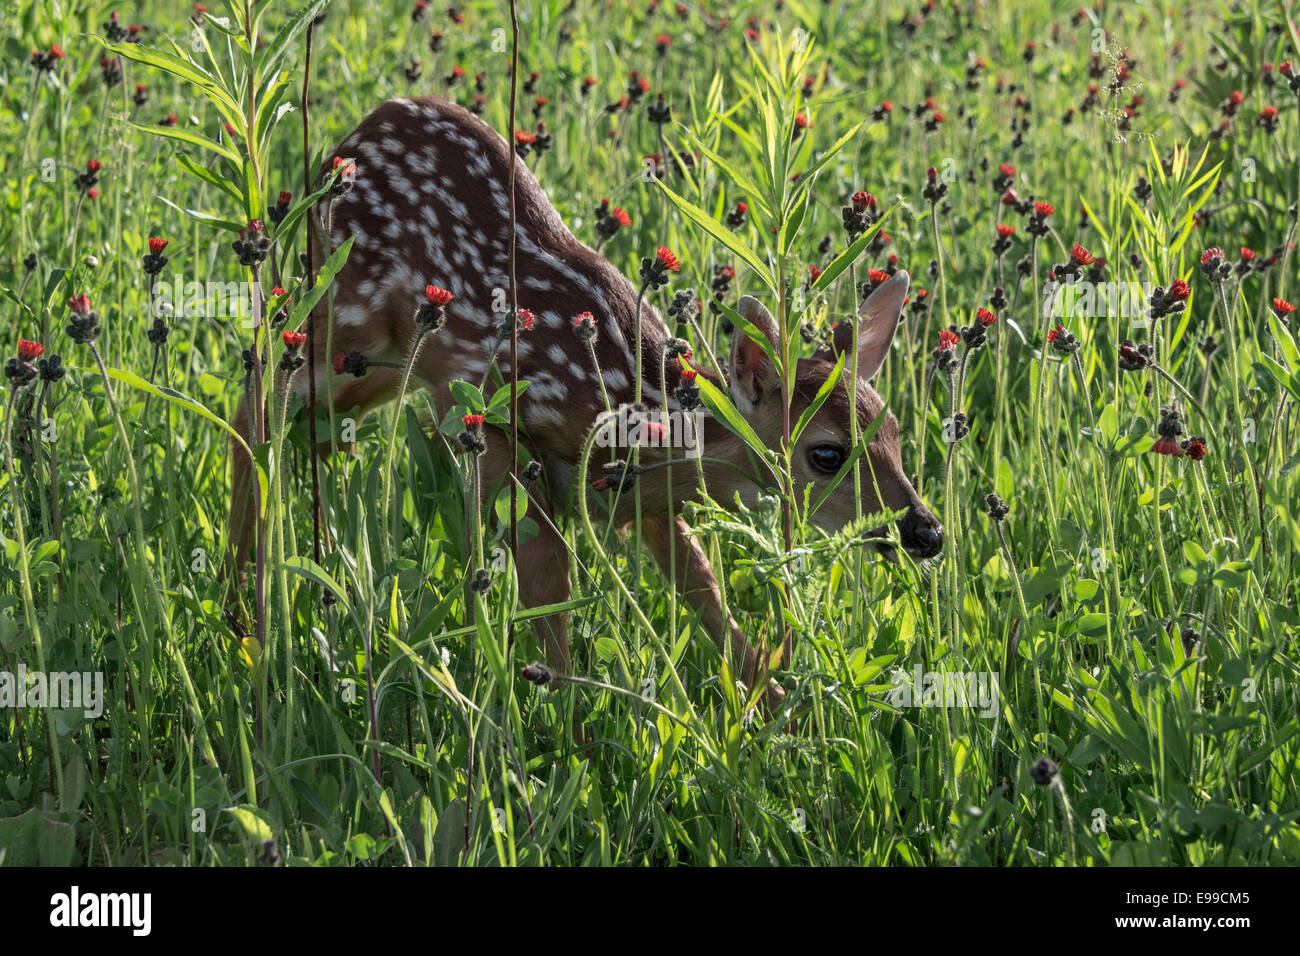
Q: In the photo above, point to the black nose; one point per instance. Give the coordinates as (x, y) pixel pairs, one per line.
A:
(921, 534)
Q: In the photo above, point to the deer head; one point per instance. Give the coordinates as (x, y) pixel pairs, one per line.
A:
(826, 443)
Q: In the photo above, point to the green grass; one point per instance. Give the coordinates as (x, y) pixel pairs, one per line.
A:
(1139, 610)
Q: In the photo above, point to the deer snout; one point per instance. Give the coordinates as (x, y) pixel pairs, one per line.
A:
(920, 532)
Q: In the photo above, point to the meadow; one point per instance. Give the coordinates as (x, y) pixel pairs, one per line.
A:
(1096, 380)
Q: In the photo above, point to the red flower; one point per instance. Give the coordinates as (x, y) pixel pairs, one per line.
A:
(293, 339)
(1268, 113)
(473, 420)
(1195, 448)
(1235, 98)
(621, 217)
(1247, 254)
(742, 208)
(582, 318)
(663, 41)
(937, 117)
(1044, 208)
(171, 119)
(1167, 446)
(56, 51)
(285, 198)
(878, 276)
(29, 350)
(92, 193)
(1282, 308)
(437, 295)
(1009, 198)
(801, 120)
(1053, 333)
(1005, 231)
(349, 169)
(458, 71)
(1284, 69)
(1081, 256)
(156, 246)
(1007, 170)
(886, 106)
(986, 318)
(814, 273)
(524, 137)
(1209, 255)
(862, 201)
(80, 304)
(94, 166)
(527, 319)
(1179, 290)
(277, 292)
(947, 340)
(339, 359)
(688, 375)
(666, 259)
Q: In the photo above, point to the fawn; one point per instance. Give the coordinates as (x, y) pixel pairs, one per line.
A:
(429, 205)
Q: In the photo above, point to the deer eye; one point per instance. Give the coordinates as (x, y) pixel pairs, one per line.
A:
(826, 458)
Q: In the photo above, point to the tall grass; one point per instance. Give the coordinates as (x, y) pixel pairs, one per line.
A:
(1137, 610)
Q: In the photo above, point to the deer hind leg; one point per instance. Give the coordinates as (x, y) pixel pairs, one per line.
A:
(542, 562)
(684, 563)
(376, 388)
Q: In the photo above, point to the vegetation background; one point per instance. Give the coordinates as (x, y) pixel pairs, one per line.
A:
(1138, 607)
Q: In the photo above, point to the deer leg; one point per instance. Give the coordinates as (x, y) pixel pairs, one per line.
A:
(375, 389)
(541, 562)
(694, 581)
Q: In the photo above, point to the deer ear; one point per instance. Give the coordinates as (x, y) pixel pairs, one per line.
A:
(751, 369)
(881, 313)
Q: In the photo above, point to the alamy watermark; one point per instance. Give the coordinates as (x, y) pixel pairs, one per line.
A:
(1119, 300)
(629, 427)
(977, 690)
(70, 690)
(180, 299)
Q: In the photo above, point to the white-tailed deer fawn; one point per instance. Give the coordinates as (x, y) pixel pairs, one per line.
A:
(430, 206)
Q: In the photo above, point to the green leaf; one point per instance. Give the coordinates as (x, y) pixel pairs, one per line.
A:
(722, 234)
(309, 569)
(502, 395)
(719, 404)
(275, 51)
(835, 378)
(850, 255)
(332, 265)
(208, 176)
(229, 225)
(191, 137)
(467, 394)
(827, 156)
(255, 822)
(1284, 378)
(753, 194)
(185, 69)
(1285, 343)
(751, 330)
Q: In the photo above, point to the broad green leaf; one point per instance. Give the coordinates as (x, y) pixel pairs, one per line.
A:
(850, 255)
(327, 273)
(823, 393)
(722, 234)
(724, 411)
